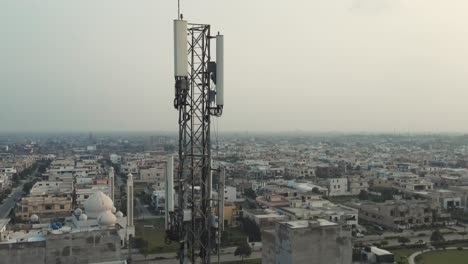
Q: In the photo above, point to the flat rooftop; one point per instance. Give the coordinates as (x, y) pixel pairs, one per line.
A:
(380, 252)
(306, 223)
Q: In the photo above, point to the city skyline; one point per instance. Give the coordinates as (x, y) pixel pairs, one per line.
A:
(345, 66)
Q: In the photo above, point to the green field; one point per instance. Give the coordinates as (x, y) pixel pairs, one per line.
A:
(232, 236)
(154, 235)
(403, 254)
(444, 256)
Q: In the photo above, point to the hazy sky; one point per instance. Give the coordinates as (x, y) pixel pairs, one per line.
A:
(312, 65)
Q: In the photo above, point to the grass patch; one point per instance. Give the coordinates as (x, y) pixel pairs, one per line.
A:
(155, 236)
(444, 256)
(403, 254)
(233, 236)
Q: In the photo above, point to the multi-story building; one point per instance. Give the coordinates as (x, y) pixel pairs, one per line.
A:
(8, 170)
(446, 198)
(4, 182)
(411, 182)
(356, 184)
(272, 200)
(402, 214)
(263, 217)
(151, 174)
(337, 186)
(315, 241)
(230, 194)
(129, 167)
(308, 209)
(299, 170)
(463, 192)
(115, 159)
(44, 207)
(232, 213)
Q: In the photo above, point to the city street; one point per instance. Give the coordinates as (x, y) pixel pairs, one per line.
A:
(10, 202)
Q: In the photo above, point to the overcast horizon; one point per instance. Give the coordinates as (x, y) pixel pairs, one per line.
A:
(290, 66)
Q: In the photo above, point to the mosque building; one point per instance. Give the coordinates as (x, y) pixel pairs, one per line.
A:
(96, 231)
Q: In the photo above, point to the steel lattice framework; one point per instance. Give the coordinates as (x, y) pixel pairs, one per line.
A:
(194, 101)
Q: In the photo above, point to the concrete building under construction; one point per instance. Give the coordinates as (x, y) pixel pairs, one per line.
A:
(315, 241)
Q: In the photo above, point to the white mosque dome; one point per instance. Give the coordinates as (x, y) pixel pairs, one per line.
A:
(114, 210)
(107, 218)
(97, 204)
(78, 211)
(34, 218)
(119, 214)
(83, 217)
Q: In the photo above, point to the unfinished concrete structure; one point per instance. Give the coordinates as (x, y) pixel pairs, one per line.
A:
(307, 241)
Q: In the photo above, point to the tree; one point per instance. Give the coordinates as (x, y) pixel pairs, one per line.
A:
(403, 240)
(363, 195)
(43, 167)
(316, 190)
(387, 194)
(252, 230)
(15, 179)
(437, 237)
(144, 251)
(27, 187)
(243, 250)
(123, 202)
(250, 193)
(142, 245)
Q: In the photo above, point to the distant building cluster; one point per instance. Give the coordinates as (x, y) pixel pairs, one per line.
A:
(320, 200)
(68, 213)
(347, 185)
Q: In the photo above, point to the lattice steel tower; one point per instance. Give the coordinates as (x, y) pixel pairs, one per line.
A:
(198, 97)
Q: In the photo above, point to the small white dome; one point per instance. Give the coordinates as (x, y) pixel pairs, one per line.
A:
(34, 218)
(78, 211)
(114, 210)
(97, 204)
(107, 218)
(83, 217)
(119, 214)
(66, 229)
